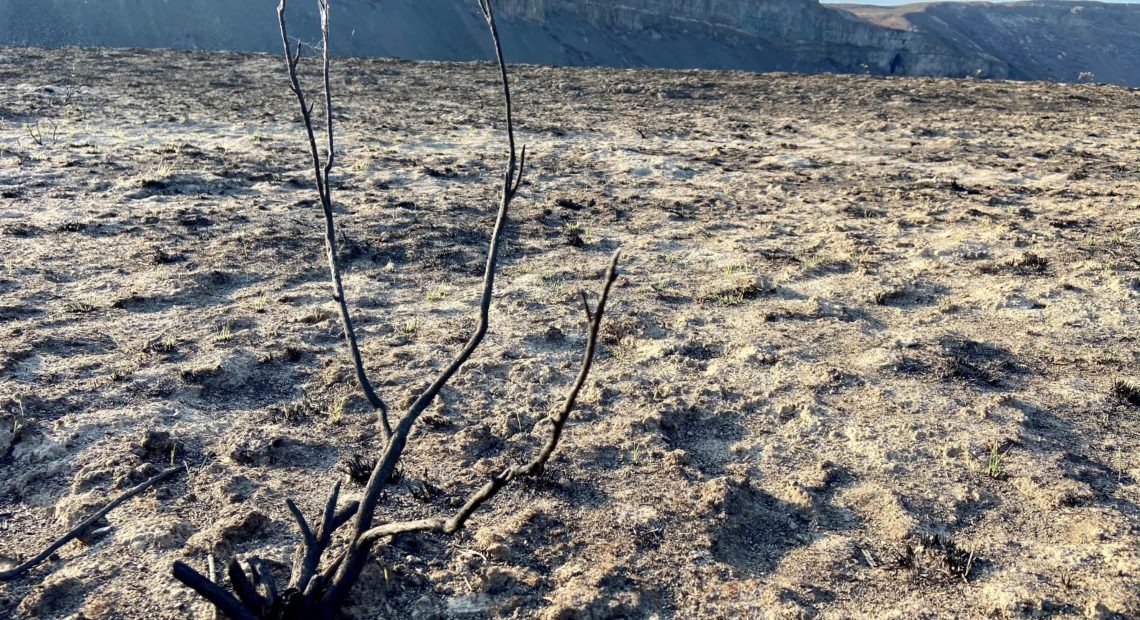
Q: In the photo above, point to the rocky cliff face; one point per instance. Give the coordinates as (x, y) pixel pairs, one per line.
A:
(1060, 41)
(816, 35)
(1025, 40)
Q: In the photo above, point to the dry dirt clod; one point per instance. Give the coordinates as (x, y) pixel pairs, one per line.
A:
(8, 432)
(254, 450)
(162, 444)
(237, 489)
(55, 595)
(493, 579)
(499, 553)
(226, 534)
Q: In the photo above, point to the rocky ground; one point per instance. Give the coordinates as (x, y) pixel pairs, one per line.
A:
(873, 352)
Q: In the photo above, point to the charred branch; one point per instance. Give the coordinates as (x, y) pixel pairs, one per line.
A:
(75, 532)
(316, 592)
(321, 173)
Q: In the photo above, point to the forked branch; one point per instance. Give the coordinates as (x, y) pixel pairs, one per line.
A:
(316, 592)
(358, 551)
(511, 180)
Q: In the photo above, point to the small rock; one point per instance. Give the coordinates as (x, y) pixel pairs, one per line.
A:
(553, 334)
(38, 450)
(1099, 611)
(467, 605)
(425, 609)
(155, 440)
(679, 457)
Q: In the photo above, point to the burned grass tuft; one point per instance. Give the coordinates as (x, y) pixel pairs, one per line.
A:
(936, 557)
(359, 468)
(1126, 392)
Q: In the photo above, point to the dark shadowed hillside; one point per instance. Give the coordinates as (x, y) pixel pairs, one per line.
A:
(1027, 40)
(1037, 40)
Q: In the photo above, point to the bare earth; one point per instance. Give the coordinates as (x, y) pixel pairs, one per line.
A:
(860, 362)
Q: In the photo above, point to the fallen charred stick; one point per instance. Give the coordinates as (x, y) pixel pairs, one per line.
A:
(78, 530)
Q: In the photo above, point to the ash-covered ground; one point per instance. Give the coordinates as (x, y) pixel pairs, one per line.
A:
(871, 353)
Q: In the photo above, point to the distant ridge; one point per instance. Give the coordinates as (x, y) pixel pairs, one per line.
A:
(1044, 40)
(1047, 40)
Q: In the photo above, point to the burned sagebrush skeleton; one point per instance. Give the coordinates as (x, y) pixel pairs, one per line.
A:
(322, 576)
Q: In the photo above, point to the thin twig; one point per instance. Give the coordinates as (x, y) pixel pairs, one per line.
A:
(522, 169)
(86, 523)
(211, 572)
(328, 523)
(595, 318)
(533, 468)
(323, 5)
(321, 173)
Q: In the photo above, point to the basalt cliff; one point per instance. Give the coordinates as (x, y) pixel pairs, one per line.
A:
(1052, 40)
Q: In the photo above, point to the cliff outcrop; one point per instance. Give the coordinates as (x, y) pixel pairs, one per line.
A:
(1024, 40)
(815, 37)
(1052, 40)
